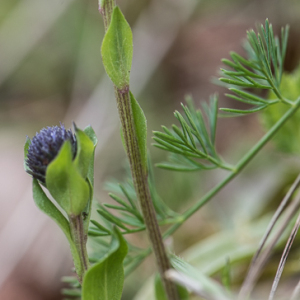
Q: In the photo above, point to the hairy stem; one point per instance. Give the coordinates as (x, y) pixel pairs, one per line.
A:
(142, 189)
(79, 238)
(139, 174)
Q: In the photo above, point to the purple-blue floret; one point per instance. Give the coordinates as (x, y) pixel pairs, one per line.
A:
(44, 147)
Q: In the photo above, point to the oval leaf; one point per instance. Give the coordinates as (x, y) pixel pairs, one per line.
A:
(65, 183)
(140, 123)
(117, 50)
(106, 278)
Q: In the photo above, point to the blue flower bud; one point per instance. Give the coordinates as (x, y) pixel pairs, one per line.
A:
(44, 147)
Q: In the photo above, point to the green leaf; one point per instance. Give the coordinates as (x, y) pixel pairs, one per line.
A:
(105, 279)
(206, 284)
(248, 95)
(89, 131)
(65, 183)
(160, 291)
(46, 206)
(85, 152)
(26, 146)
(111, 218)
(140, 123)
(117, 50)
(173, 167)
(246, 111)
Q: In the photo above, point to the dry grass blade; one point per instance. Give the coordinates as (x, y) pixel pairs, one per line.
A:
(261, 261)
(296, 292)
(192, 285)
(275, 218)
(284, 257)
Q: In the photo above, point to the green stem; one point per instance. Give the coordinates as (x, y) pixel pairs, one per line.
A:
(139, 174)
(106, 8)
(79, 238)
(142, 189)
(239, 166)
(277, 92)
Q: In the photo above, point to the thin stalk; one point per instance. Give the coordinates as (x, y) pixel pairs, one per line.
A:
(254, 272)
(276, 91)
(275, 218)
(79, 237)
(283, 259)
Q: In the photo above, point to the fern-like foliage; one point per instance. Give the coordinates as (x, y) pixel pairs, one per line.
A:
(73, 290)
(261, 70)
(192, 146)
(125, 214)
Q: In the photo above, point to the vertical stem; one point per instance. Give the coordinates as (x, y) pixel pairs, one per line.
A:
(142, 189)
(106, 8)
(139, 174)
(79, 237)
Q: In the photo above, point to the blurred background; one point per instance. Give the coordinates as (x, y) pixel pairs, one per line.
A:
(51, 72)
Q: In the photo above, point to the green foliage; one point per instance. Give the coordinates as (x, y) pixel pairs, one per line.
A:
(74, 290)
(117, 50)
(197, 281)
(192, 146)
(129, 218)
(262, 70)
(140, 123)
(160, 292)
(46, 206)
(85, 152)
(105, 279)
(288, 137)
(66, 184)
(90, 177)
(129, 215)
(89, 131)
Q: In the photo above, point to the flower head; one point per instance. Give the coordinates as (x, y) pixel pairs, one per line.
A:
(44, 147)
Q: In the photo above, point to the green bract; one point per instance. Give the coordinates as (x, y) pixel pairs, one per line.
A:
(65, 183)
(70, 181)
(117, 50)
(85, 151)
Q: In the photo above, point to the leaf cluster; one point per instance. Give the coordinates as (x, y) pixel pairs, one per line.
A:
(193, 145)
(261, 70)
